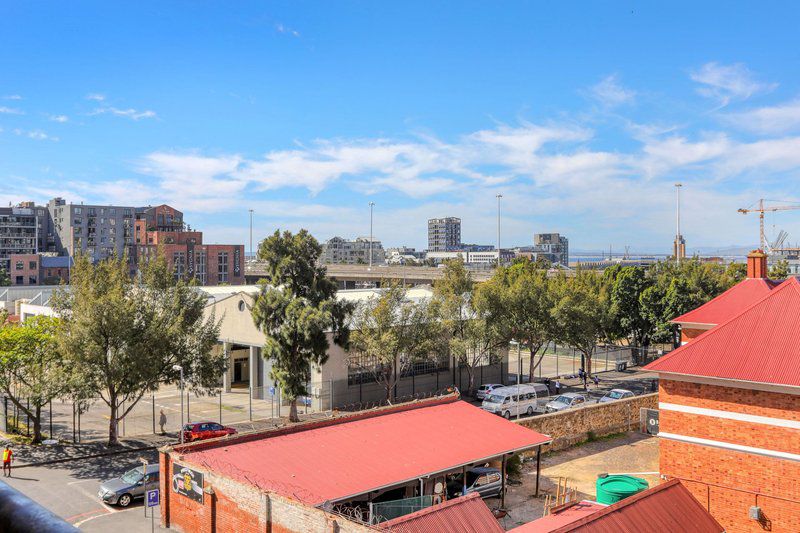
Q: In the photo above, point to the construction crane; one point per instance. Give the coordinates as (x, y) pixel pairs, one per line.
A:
(761, 209)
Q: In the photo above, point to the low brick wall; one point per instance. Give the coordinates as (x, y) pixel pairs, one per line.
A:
(572, 426)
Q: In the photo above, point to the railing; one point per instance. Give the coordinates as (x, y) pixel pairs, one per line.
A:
(20, 514)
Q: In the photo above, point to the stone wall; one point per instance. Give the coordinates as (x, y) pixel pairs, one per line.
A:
(572, 426)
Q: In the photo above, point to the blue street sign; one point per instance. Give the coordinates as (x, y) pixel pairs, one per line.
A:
(272, 391)
(152, 498)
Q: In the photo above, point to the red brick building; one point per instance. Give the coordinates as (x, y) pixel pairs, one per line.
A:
(729, 405)
(38, 269)
(162, 227)
(731, 302)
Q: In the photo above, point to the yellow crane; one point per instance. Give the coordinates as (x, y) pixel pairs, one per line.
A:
(761, 209)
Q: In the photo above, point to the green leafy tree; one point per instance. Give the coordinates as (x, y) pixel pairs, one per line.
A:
(391, 333)
(779, 270)
(32, 369)
(296, 309)
(5, 280)
(579, 314)
(471, 338)
(519, 300)
(626, 307)
(124, 336)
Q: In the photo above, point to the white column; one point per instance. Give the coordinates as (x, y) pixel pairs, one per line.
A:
(227, 375)
(254, 381)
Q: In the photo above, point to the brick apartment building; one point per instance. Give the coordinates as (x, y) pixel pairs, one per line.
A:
(729, 405)
(38, 269)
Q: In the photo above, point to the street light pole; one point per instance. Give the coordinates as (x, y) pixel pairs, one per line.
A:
(251, 234)
(179, 367)
(371, 205)
(498, 228)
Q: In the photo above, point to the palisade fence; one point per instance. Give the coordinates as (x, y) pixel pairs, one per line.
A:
(259, 407)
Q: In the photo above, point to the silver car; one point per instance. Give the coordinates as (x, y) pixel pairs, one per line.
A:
(565, 401)
(616, 394)
(129, 486)
(486, 389)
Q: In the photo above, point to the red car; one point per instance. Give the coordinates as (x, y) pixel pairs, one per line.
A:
(205, 430)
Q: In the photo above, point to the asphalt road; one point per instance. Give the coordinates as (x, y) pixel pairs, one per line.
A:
(70, 491)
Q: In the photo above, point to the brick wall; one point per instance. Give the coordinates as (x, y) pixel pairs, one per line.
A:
(231, 506)
(572, 426)
(729, 482)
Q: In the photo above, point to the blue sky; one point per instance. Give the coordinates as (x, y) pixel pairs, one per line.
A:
(582, 115)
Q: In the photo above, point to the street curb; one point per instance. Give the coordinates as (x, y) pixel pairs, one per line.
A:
(91, 456)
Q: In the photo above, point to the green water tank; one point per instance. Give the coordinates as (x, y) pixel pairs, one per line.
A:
(611, 489)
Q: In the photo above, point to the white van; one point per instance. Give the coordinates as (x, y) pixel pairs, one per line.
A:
(516, 400)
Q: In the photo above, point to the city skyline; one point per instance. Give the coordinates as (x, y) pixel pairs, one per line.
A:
(303, 121)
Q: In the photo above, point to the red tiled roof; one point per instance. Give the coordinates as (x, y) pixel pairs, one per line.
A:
(468, 514)
(666, 507)
(567, 516)
(348, 457)
(761, 344)
(730, 303)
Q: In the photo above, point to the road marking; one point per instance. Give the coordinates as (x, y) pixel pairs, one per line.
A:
(78, 524)
(80, 481)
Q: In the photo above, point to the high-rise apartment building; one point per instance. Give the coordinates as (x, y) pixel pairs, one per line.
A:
(343, 251)
(444, 234)
(98, 231)
(18, 232)
(551, 246)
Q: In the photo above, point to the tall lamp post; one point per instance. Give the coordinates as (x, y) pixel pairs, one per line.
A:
(251, 234)
(498, 228)
(678, 222)
(179, 367)
(371, 205)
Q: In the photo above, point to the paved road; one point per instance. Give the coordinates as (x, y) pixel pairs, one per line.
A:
(70, 490)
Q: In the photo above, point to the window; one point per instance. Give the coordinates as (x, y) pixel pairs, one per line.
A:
(179, 262)
(20, 280)
(200, 267)
(222, 267)
(19, 265)
(32, 265)
(78, 210)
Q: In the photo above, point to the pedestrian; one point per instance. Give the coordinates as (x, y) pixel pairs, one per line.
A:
(596, 382)
(585, 381)
(162, 421)
(8, 456)
(558, 387)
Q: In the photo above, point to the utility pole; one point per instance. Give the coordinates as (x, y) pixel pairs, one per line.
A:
(498, 228)
(371, 205)
(251, 234)
(678, 223)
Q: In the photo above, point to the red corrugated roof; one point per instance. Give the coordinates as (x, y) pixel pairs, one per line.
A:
(730, 303)
(666, 507)
(761, 344)
(468, 514)
(352, 457)
(567, 516)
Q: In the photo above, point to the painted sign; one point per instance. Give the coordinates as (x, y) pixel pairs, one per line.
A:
(152, 498)
(187, 482)
(237, 257)
(651, 422)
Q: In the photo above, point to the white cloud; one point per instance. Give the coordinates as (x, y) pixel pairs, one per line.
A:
(59, 118)
(727, 83)
(771, 119)
(10, 111)
(129, 113)
(610, 92)
(37, 135)
(280, 28)
(12, 97)
(97, 97)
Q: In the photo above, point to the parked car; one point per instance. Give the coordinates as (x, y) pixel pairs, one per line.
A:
(486, 389)
(616, 394)
(484, 480)
(565, 401)
(517, 400)
(129, 486)
(205, 430)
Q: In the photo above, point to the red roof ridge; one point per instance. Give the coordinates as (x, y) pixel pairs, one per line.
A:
(771, 285)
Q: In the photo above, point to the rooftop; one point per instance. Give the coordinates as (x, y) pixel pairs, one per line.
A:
(377, 449)
(759, 345)
(728, 304)
(468, 514)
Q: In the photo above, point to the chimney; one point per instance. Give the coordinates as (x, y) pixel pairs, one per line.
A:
(756, 264)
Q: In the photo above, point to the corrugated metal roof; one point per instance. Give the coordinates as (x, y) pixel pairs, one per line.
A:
(761, 344)
(567, 516)
(468, 514)
(337, 459)
(730, 303)
(666, 507)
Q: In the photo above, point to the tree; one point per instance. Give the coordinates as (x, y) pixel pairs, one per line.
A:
(5, 280)
(471, 338)
(579, 315)
(32, 368)
(779, 270)
(391, 333)
(295, 310)
(626, 308)
(519, 300)
(124, 336)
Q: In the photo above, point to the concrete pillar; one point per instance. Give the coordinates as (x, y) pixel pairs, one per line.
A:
(227, 376)
(256, 386)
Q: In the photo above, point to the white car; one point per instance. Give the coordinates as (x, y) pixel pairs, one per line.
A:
(565, 401)
(486, 389)
(616, 394)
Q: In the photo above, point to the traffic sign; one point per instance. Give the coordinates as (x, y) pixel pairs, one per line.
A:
(272, 391)
(152, 498)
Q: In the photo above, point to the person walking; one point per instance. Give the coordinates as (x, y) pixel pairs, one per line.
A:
(596, 381)
(162, 421)
(8, 456)
(558, 387)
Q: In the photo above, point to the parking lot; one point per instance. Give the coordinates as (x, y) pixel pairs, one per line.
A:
(70, 490)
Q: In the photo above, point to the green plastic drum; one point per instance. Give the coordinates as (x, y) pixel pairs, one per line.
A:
(611, 489)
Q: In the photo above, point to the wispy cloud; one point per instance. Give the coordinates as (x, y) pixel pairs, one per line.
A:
(97, 97)
(771, 119)
(59, 118)
(37, 135)
(11, 111)
(12, 97)
(727, 83)
(281, 28)
(609, 92)
(130, 113)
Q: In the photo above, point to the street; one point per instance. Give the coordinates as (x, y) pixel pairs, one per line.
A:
(70, 491)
